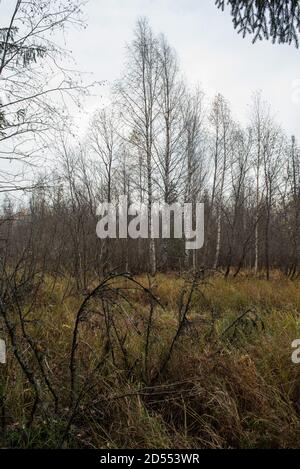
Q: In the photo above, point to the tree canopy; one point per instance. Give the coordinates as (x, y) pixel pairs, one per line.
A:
(278, 20)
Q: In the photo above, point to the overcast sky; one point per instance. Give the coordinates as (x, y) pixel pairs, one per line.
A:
(210, 51)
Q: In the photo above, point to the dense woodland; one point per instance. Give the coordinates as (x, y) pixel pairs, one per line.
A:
(160, 140)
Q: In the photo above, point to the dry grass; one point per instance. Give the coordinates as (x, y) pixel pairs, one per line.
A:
(218, 390)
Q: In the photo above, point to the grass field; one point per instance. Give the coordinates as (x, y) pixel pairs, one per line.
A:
(157, 368)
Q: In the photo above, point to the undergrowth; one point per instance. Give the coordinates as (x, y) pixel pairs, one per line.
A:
(227, 382)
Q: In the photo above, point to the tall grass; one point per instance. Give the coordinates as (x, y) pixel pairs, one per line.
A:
(229, 381)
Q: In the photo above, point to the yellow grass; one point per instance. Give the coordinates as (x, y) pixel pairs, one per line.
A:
(238, 389)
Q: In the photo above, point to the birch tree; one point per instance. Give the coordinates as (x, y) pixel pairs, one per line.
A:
(195, 171)
(137, 93)
(294, 190)
(168, 153)
(105, 145)
(260, 125)
(221, 124)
